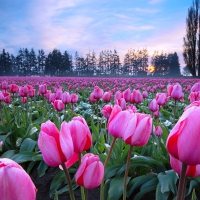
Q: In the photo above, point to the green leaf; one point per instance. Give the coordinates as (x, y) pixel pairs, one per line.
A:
(57, 181)
(193, 184)
(112, 171)
(37, 157)
(160, 195)
(23, 156)
(116, 187)
(42, 168)
(106, 188)
(30, 166)
(56, 195)
(8, 154)
(137, 182)
(163, 180)
(172, 179)
(28, 145)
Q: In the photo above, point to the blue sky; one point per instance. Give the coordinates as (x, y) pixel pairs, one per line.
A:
(87, 25)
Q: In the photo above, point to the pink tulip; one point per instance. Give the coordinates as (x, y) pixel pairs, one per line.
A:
(175, 91)
(136, 96)
(1, 96)
(192, 171)
(52, 97)
(158, 131)
(127, 95)
(22, 92)
(24, 100)
(42, 89)
(58, 105)
(161, 99)
(58, 94)
(131, 108)
(121, 102)
(15, 183)
(92, 99)
(31, 93)
(183, 140)
(66, 98)
(117, 123)
(56, 147)
(145, 94)
(194, 96)
(80, 133)
(156, 113)
(153, 106)
(74, 98)
(107, 96)
(196, 87)
(137, 129)
(106, 111)
(4, 85)
(90, 172)
(118, 95)
(7, 98)
(14, 88)
(98, 92)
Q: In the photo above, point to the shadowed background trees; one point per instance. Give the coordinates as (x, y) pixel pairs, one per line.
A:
(136, 63)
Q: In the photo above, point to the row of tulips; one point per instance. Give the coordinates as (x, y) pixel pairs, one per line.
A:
(124, 122)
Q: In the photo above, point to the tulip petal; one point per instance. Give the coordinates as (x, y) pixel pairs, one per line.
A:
(93, 175)
(66, 142)
(49, 149)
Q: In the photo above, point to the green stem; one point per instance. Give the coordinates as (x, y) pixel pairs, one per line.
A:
(69, 181)
(174, 111)
(126, 172)
(182, 181)
(105, 165)
(82, 188)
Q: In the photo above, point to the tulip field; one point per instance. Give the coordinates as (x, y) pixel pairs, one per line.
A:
(129, 137)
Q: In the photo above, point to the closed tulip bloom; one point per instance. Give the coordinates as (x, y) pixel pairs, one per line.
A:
(127, 95)
(118, 95)
(194, 96)
(98, 92)
(58, 94)
(66, 98)
(121, 102)
(158, 131)
(56, 147)
(137, 129)
(58, 105)
(52, 97)
(15, 183)
(118, 121)
(31, 93)
(81, 136)
(107, 96)
(192, 171)
(22, 92)
(153, 106)
(7, 98)
(92, 99)
(145, 94)
(4, 85)
(106, 111)
(161, 99)
(136, 96)
(1, 96)
(90, 172)
(24, 100)
(183, 140)
(196, 87)
(43, 89)
(14, 88)
(74, 98)
(175, 91)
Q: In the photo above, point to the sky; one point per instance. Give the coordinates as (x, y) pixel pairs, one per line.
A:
(94, 25)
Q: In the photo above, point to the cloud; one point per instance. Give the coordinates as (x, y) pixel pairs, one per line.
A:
(121, 16)
(147, 10)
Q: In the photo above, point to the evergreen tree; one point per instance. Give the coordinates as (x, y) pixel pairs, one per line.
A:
(174, 65)
(41, 58)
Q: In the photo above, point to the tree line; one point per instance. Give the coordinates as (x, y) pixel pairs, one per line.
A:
(107, 63)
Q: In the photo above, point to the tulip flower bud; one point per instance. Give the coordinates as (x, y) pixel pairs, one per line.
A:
(90, 172)
(158, 131)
